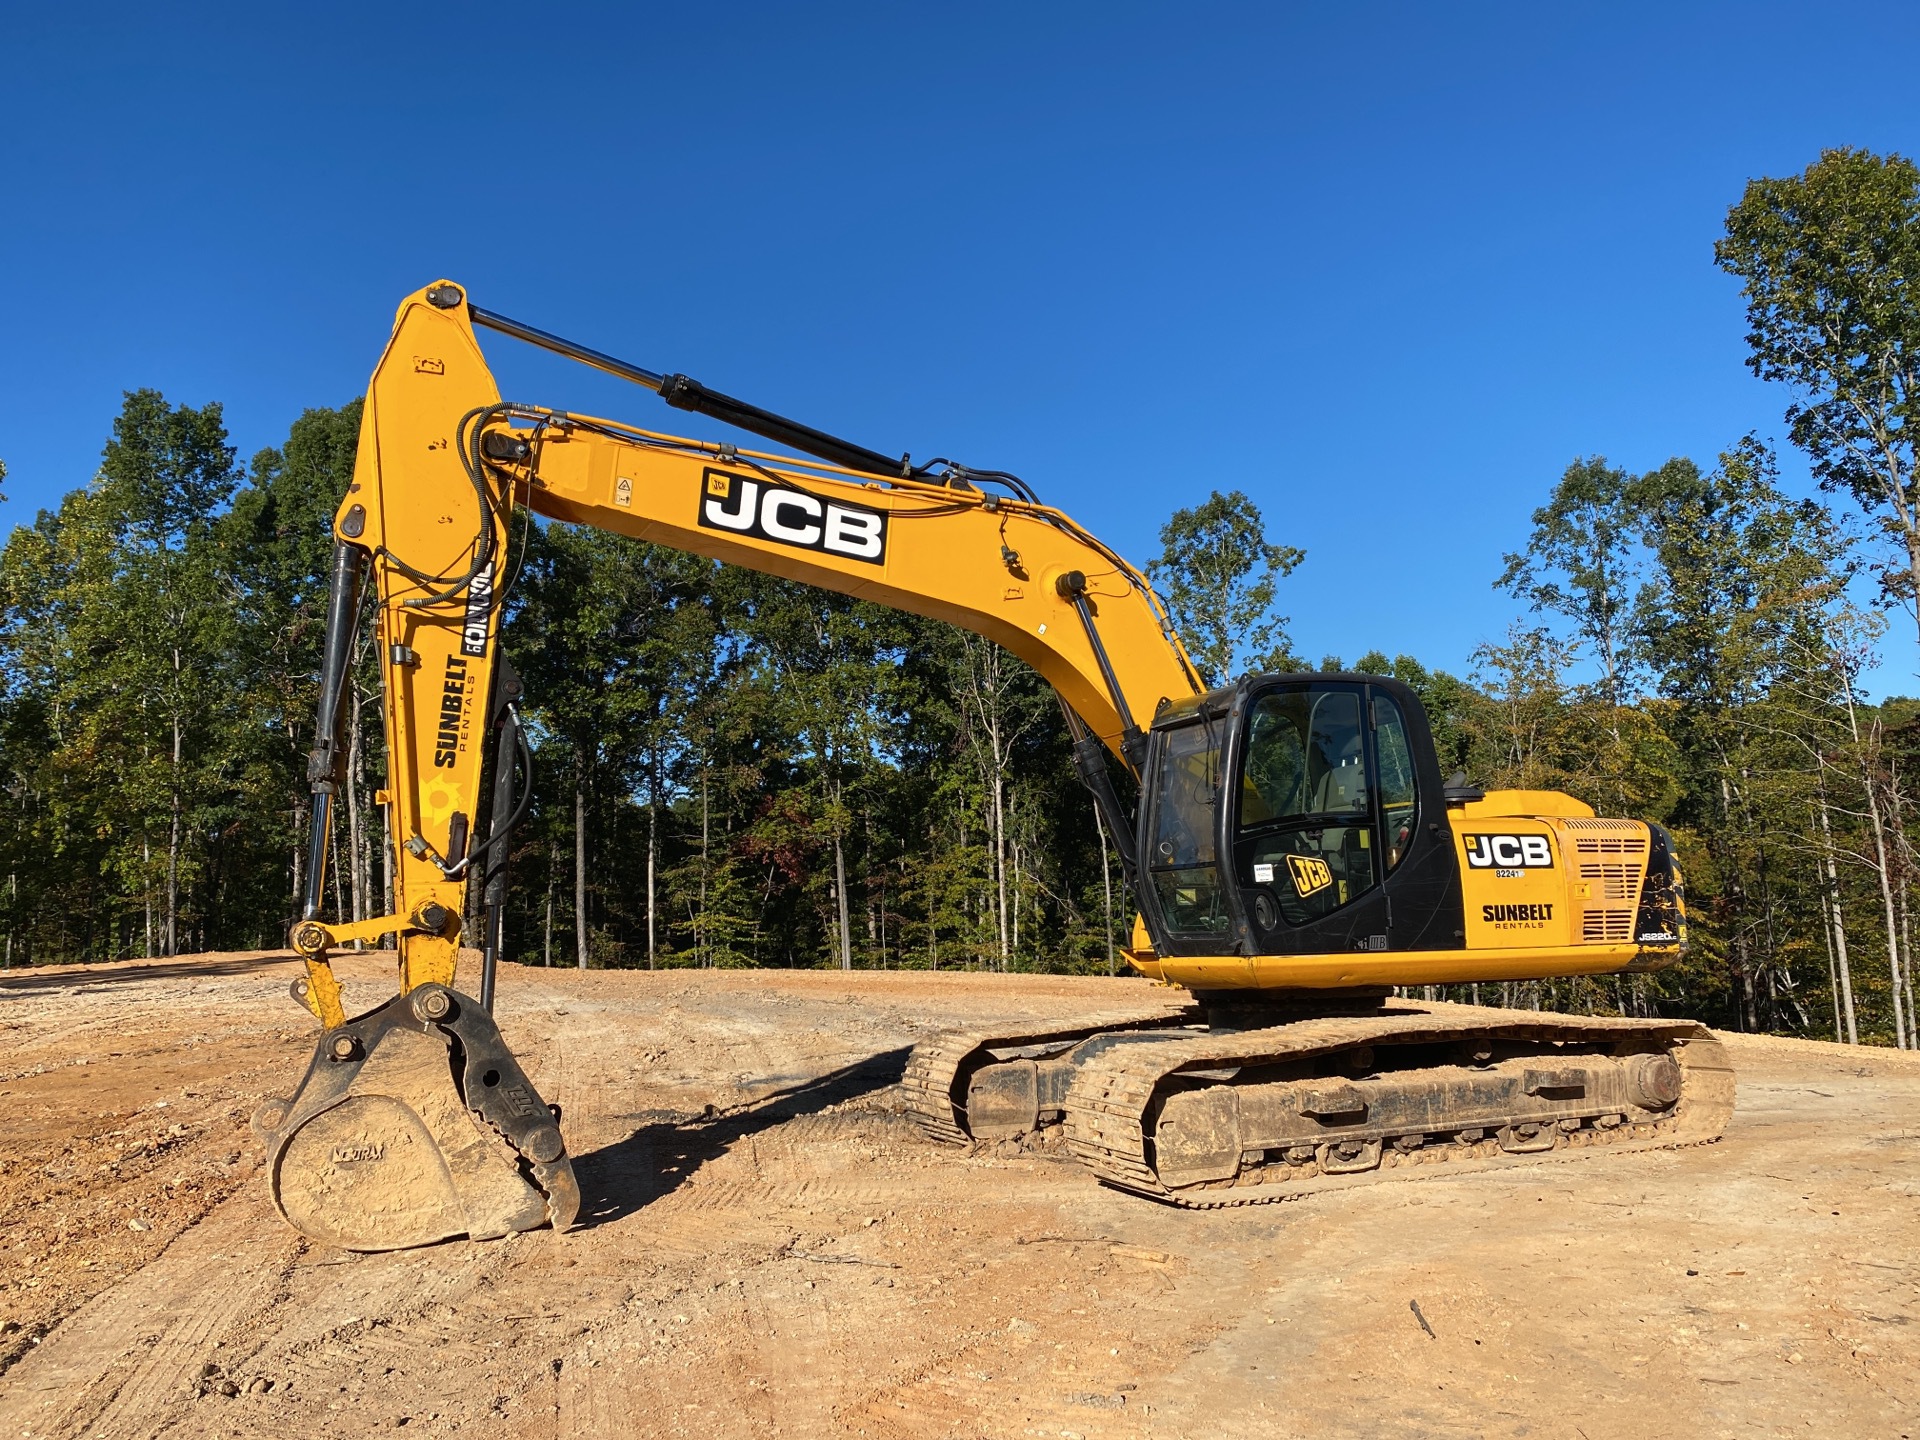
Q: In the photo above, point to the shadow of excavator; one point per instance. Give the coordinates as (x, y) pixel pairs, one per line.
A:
(659, 1157)
(99, 976)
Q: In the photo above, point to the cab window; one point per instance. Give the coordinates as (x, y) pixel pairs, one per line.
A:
(1398, 798)
(1186, 788)
(1305, 832)
(1305, 756)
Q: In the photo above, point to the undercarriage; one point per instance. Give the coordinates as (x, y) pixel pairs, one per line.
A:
(1190, 1109)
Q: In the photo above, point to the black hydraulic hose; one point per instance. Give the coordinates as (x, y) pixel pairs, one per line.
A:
(504, 814)
(469, 439)
(500, 833)
(1090, 760)
(324, 761)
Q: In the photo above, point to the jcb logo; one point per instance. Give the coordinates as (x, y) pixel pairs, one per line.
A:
(792, 517)
(1310, 876)
(1509, 852)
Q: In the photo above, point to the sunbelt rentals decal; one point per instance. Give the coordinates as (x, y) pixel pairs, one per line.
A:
(784, 515)
(450, 738)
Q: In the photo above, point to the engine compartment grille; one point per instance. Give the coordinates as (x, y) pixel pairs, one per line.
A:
(1603, 924)
(1611, 861)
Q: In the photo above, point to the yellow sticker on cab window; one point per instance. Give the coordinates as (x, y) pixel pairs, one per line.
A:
(1310, 875)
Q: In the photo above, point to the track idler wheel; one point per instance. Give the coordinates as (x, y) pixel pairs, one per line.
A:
(415, 1124)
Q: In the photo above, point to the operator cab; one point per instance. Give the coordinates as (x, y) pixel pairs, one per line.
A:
(1284, 815)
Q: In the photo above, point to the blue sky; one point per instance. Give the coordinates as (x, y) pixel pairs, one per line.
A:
(1387, 271)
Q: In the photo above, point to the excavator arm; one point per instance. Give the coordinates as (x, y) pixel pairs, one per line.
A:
(443, 463)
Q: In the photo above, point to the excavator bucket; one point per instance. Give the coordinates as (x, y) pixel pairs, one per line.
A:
(414, 1124)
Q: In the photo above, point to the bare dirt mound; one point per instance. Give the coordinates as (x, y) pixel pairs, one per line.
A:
(767, 1247)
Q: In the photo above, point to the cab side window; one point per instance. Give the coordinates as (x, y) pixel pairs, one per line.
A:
(1306, 825)
(1181, 859)
(1305, 756)
(1398, 797)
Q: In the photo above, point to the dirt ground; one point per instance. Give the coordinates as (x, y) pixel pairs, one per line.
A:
(768, 1247)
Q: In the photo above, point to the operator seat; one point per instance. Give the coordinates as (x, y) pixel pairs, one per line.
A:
(1343, 788)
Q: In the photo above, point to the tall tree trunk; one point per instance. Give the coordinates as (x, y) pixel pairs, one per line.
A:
(1837, 920)
(1865, 753)
(840, 892)
(1833, 974)
(146, 891)
(1903, 886)
(1013, 849)
(866, 870)
(840, 904)
(1884, 869)
(580, 855)
(299, 855)
(653, 855)
(173, 836)
(701, 956)
(999, 833)
(546, 938)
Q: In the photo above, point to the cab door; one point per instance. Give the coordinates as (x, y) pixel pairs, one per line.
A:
(1328, 822)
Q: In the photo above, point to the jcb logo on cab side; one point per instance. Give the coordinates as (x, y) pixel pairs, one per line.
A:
(1509, 852)
(1310, 875)
(792, 517)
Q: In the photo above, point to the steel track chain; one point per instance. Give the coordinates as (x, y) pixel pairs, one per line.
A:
(934, 1068)
(1107, 1107)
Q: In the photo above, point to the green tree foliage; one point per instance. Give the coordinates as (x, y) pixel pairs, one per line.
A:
(1219, 574)
(1829, 262)
(280, 547)
(1578, 565)
(122, 641)
(1742, 578)
(757, 773)
(1728, 708)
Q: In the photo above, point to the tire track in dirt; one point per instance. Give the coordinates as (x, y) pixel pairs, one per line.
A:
(134, 1355)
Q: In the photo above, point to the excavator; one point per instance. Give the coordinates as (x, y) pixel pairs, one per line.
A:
(1299, 861)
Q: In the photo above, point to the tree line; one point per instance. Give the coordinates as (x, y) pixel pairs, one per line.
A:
(736, 770)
